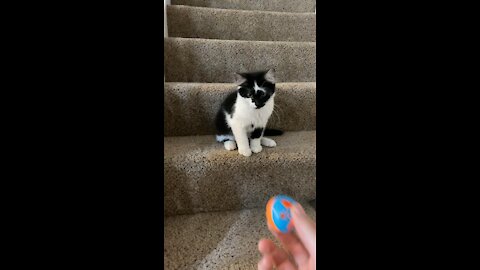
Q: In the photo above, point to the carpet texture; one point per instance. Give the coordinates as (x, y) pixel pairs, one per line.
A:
(212, 60)
(214, 199)
(270, 5)
(218, 240)
(200, 175)
(200, 103)
(211, 23)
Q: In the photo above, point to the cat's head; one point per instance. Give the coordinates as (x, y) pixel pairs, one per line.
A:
(257, 86)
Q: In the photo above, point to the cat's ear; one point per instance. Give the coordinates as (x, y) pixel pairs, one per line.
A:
(239, 78)
(270, 75)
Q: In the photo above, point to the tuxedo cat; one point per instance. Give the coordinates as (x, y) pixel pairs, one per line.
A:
(242, 119)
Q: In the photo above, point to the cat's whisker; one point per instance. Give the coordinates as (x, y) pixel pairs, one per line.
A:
(275, 113)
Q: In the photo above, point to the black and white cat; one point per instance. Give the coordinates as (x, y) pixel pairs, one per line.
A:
(243, 116)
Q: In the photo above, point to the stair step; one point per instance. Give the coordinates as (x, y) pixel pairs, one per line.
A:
(201, 176)
(218, 240)
(270, 5)
(213, 23)
(212, 60)
(190, 108)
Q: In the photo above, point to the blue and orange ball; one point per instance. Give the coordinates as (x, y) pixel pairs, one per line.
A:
(279, 216)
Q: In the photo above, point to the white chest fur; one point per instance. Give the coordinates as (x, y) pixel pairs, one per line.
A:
(245, 115)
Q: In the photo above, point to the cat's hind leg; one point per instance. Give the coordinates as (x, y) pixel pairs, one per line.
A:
(228, 141)
(230, 145)
(268, 142)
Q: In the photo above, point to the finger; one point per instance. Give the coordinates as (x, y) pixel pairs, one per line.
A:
(291, 242)
(305, 228)
(267, 247)
(266, 263)
(286, 265)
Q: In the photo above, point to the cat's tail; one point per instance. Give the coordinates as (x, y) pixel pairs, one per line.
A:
(272, 132)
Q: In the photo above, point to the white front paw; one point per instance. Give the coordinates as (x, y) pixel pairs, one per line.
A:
(256, 148)
(245, 151)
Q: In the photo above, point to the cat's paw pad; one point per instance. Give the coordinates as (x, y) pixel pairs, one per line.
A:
(245, 152)
(268, 142)
(230, 145)
(256, 148)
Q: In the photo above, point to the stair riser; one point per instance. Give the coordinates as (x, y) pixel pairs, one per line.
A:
(270, 5)
(234, 188)
(190, 109)
(191, 22)
(205, 180)
(202, 60)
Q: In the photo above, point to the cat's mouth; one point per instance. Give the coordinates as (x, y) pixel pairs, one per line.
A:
(255, 105)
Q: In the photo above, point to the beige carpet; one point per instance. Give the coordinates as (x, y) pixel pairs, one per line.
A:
(215, 199)
(212, 241)
(295, 105)
(269, 5)
(213, 23)
(200, 175)
(213, 60)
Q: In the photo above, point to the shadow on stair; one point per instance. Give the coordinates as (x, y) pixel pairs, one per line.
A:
(197, 237)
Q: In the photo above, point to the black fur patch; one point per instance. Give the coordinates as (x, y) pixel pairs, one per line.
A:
(229, 103)
(220, 121)
(257, 133)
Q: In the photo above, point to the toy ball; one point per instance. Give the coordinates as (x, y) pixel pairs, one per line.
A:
(278, 213)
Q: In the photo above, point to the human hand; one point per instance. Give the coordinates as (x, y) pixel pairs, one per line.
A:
(300, 245)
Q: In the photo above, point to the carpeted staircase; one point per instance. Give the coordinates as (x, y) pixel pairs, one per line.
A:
(215, 199)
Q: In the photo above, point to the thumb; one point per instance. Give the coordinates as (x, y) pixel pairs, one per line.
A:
(305, 228)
